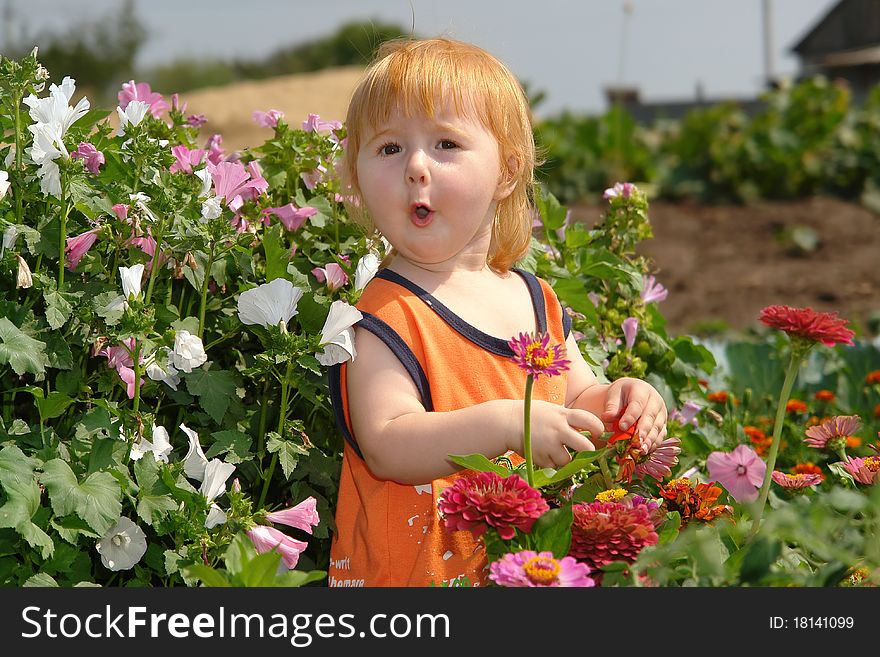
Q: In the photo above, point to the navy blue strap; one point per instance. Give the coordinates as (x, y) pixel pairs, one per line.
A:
(566, 322)
(406, 357)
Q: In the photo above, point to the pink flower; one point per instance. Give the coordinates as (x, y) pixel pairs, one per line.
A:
(291, 216)
(807, 324)
(535, 356)
(623, 190)
(835, 430)
(148, 245)
(121, 211)
(196, 120)
(657, 460)
(215, 151)
(864, 470)
(313, 177)
(120, 358)
(630, 328)
(302, 516)
(741, 472)
(652, 291)
(687, 414)
(266, 539)
(186, 158)
(795, 481)
(78, 246)
(528, 568)
(91, 156)
(602, 532)
(316, 124)
(142, 92)
(488, 500)
(331, 274)
(267, 119)
(175, 103)
(235, 184)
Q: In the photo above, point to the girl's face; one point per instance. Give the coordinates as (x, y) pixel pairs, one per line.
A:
(431, 186)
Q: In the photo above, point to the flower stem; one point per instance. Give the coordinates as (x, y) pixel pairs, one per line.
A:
(527, 433)
(137, 376)
(606, 473)
(204, 292)
(261, 432)
(16, 106)
(282, 413)
(156, 263)
(62, 245)
(787, 384)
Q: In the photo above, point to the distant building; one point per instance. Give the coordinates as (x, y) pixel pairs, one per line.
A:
(650, 112)
(844, 44)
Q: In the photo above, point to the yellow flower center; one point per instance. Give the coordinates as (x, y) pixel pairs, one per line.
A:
(542, 570)
(537, 355)
(873, 463)
(613, 495)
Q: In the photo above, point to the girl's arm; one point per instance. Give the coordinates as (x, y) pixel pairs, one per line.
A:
(401, 441)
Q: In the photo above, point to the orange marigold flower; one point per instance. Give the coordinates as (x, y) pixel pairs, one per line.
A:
(705, 383)
(853, 441)
(754, 433)
(719, 397)
(872, 378)
(808, 468)
(693, 502)
(795, 406)
(824, 395)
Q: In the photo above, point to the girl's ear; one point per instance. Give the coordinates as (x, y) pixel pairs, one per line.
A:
(508, 178)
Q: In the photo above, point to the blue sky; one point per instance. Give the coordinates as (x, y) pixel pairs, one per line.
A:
(571, 49)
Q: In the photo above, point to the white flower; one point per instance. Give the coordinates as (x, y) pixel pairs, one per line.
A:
(159, 367)
(207, 180)
(188, 351)
(24, 278)
(4, 187)
(366, 269)
(195, 462)
(269, 304)
(122, 546)
(10, 156)
(131, 280)
(216, 474)
(160, 446)
(48, 145)
(133, 114)
(337, 335)
(211, 209)
(55, 107)
(10, 235)
(216, 516)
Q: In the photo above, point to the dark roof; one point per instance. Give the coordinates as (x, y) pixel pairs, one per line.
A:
(848, 25)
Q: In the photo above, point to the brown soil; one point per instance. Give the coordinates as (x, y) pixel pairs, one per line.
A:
(720, 264)
(724, 263)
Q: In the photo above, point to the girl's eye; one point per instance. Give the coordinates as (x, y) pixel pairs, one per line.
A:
(389, 149)
(446, 144)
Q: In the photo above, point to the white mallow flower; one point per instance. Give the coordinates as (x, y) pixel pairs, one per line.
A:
(216, 516)
(55, 108)
(216, 474)
(188, 351)
(270, 303)
(122, 546)
(365, 270)
(207, 181)
(131, 280)
(195, 462)
(160, 446)
(159, 367)
(10, 235)
(211, 209)
(133, 114)
(4, 185)
(337, 336)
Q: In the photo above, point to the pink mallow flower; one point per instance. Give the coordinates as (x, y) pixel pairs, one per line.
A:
(196, 120)
(291, 216)
(141, 91)
(528, 568)
(316, 124)
(120, 359)
(236, 184)
(652, 290)
(687, 414)
(795, 481)
(313, 177)
(630, 328)
(331, 274)
(302, 516)
(186, 158)
(266, 539)
(215, 151)
(121, 211)
(78, 246)
(148, 245)
(741, 472)
(267, 119)
(92, 158)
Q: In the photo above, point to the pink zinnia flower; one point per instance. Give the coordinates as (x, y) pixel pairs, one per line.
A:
(652, 290)
(528, 568)
(833, 432)
(657, 460)
(291, 216)
(488, 500)
(266, 539)
(267, 119)
(602, 532)
(331, 274)
(142, 92)
(78, 246)
(91, 156)
(795, 481)
(808, 324)
(534, 354)
(302, 516)
(864, 470)
(630, 328)
(316, 124)
(186, 158)
(741, 472)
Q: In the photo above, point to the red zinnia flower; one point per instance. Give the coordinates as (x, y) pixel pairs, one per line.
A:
(534, 354)
(602, 532)
(824, 395)
(808, 468)
(719, 397)
(872, 378)
(795, 406)
(487, 499)
(808, 324)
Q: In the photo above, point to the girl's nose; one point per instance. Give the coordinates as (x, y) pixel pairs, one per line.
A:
(417, 168)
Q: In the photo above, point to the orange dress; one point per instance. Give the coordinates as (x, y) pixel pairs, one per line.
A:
(391, 534)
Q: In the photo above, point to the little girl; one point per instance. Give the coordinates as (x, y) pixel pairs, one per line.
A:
(440, 159)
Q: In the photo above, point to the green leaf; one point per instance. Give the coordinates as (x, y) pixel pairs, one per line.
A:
(154, 497)
(24, 354)
(310, 363)
(552, 213)
(15, 466)
(214, 388)
(58, 309)
(96, 500)
(552, 531)
(37, 538)
(70, 528)
(22, 501)
(233, 445)
(277, 254)
(52, 406)
(479, 463)
(758, 557)
(287, 450)
(582, 461)
(572, 293)
(209, 577)
(670, 528)
(40, 580)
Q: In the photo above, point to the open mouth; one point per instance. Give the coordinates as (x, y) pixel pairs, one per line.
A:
(421, 214)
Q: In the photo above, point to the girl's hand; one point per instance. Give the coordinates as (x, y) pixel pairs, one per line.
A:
(629, 401)
(555, 428)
